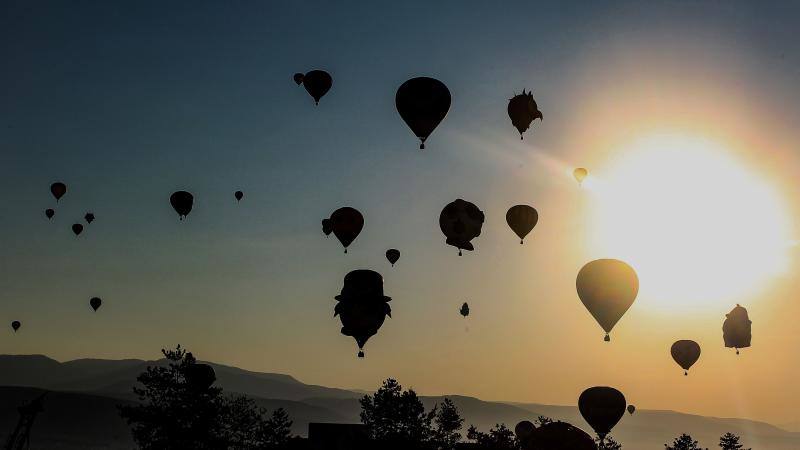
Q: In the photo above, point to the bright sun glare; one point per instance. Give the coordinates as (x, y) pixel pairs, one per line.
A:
(701, 230)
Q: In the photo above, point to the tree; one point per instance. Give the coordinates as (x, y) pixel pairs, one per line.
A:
(542, 420)
(684, 442)
(175, 411)
(448, 425)
(498, 438)
(608, 444)
(730, 441)
(394, 415)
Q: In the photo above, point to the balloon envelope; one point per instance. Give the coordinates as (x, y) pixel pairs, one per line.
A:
(461, 221)
(685, 353)
(522, 110)
(58, 189)
(607, 288)
(522, 219)
(423, 103)
(95, 303)
(464, 309)
(181, 202)
(393, 255)
(327, 226)
(602, 407)
(200, 376)
(298, 78)
(238, 195)
(580, 173)
(89, 217)
(346, 224)
(15, 325)
(736, 330)
(523, 430)
(77, 228)
(559, 436)
(362, 306)
(317, 83)
(49, 213)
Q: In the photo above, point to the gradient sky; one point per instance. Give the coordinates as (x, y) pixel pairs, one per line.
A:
(128, 103)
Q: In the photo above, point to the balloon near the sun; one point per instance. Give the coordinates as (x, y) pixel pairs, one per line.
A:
(702, 229)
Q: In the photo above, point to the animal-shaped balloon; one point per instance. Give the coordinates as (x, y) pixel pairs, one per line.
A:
(182, 203)
(522, 110)
(89, 217)
(736, 329)
(316, 82)
(685, 353)
(607, 288)
(461, 222)
(362, 306)
(423, 103)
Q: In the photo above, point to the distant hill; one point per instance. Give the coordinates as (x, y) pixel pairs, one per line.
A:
(81, 412)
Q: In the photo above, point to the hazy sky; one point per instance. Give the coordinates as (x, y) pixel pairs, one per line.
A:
(128, 103)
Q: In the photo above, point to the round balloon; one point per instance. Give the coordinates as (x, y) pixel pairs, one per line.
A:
(607, 288)
(524, 430)
(522, 219)
(49, 213)
(423, 103)
(316, 82)
(238, 195)
(298, 78)
(200, 376)
(15, 325)
(522, 110)
(95, 303)
(393, 255)
(77, 229)
(631, 409)
(58, 189)
(602, 407)
(181, 202)
(580, 173)
(346, 224)
(685, 353)
(559, 436)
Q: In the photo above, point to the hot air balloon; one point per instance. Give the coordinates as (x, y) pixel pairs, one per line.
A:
(327, 226)
(238, 195)
(182, 202)
(524, 430)
(464, 309)
(200, 376)
(736, 329)
(631, 409)
(422, 103)
(559, 436)
(346, 223)
(77, 228)
(15, 325)
(580, 173)
(602, 407)
(522, 110)
(461, 221)
(316, 82)
(607, 288)
(49, 213)
(362, 306)
(685, 353)
(393, 255)
(89, 217)
(522, 219)
(95, 303)
(58, 189)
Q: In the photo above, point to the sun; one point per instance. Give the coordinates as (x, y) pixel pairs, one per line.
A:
(702, 231)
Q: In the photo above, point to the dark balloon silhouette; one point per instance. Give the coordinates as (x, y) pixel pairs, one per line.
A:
(362, 307)
(685, 353)
(602, 407)
(316, 82)
(522, 219)
(422, 103)
(522, 110)
(607, 287)
(15, 325)
(77, 229)
(49, 213)
(631, 409)
(200, 376)
(464, 309)
(393, 255)
(559, 436)
(95, 303)
(89, 217)
(736, 329)
(327, 226)
(238, 195)
(461, 221)
(182, 202)
(580, 174)
(346, 224)
(524, 430)
(58, 190)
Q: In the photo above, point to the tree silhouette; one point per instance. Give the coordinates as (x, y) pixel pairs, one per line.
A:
(608, 444)
(498, 438)
(448, 425)
(177, 413)
(542, 420)
(730, 441)
(683, 442)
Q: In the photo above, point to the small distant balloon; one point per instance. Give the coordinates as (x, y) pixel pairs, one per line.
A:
(58, 189)
(15, 325)
(89, 217)
(522, 110)
(393, 255)
(200, 376)
(423, 103)
(580, 174)
(685, 353)
(522, 219)
(95, 303)
(464, 309)
(49, 213)
(238, 195)
(316, 82)
(77, 229)
(631, 409)
(182, 202)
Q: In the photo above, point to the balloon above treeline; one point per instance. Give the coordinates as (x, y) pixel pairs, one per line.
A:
(522, 219)
(89, 217)
(392, 255)
(15, 325)
(362, 307)
(580, 174)
(522, 110)
(238, 195)
(95, 303)
(685, 353)
(461, 222)
(559, 436)
(181, 202)
(602, 407)
(77, 229)
(607, 288)
(736, 329)
(49, 212)
(464, 309)
(346, 223)
(316, 82)
(423, 103)
(58, 189)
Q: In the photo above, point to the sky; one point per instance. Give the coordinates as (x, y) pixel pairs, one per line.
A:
(685, 114)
